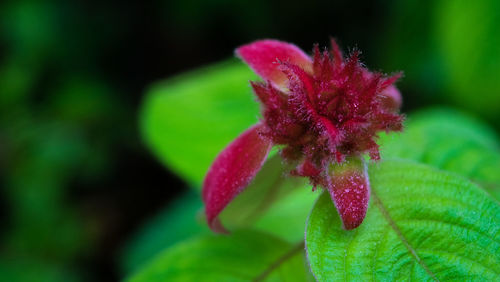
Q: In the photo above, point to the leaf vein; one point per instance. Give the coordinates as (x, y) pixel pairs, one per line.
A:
(461, 257)
(452, 224)
(277, 263)
(375, 253)
(393, 225)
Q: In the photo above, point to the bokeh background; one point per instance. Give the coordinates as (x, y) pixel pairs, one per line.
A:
(77, 181)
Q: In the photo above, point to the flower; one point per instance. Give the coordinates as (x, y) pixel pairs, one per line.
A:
(323, 112)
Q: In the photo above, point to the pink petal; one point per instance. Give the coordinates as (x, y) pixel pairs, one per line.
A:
(263, 57)
(349, 188)
(394, 100)
(232, 171)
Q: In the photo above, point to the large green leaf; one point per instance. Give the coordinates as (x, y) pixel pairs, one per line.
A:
(450, 141)
(287, 218)
(273, 202)
(188, 120)
(422, 224)
(243, 256)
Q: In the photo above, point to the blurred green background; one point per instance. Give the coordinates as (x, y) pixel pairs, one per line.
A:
(77, 182)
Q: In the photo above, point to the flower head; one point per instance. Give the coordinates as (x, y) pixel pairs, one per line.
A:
(324, 113)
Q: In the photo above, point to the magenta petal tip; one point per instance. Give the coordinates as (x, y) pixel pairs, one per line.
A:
(263, 56)
(232, 171)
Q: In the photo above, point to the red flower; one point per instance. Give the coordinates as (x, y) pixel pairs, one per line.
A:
(323, 112)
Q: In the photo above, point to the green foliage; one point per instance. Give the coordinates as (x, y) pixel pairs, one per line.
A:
(286, 218)
(243, 256)
(15, 81)
(30, 26)
(86, 101)
(217, 108)
(272, 202)
(187, 120)
(451, 141)
(471, 62)
(409, 32)
(423, 221)
(448, 50)
(26, 270)
(176, 223)
(421, 224)
(59, 126)
(39, 167)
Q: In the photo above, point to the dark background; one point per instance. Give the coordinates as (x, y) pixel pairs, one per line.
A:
(76, 179)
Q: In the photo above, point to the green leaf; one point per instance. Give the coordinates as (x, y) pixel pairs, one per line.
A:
(157, 234)
(287, 217)
(243, 256)
(273, 202)
(471, 62)
(450, 141)
(422, 224)
(189, 119)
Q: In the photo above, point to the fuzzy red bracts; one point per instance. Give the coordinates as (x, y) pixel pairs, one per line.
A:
(324, 113)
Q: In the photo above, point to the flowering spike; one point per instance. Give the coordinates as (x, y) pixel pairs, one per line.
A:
(233, 169)
(325, 113)
(336, 52)
(349, 188)
(263, 57)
